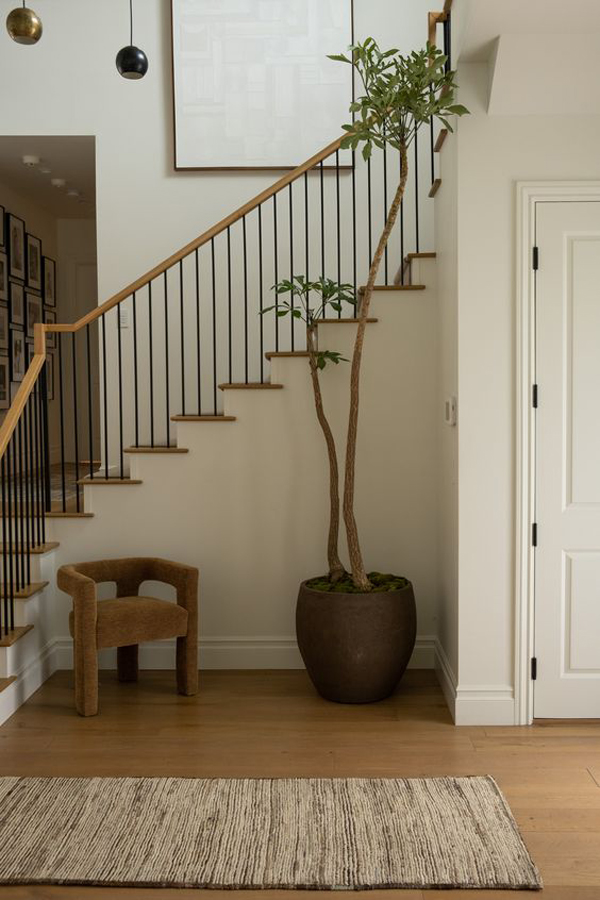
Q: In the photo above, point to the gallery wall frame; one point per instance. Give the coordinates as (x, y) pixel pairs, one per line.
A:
(16, 246)
(33, 256)
(3, 277)
(4, 382)
(17, 303)
(49, 274)
(238, 55)
(4, 327)
(17, 354)
(2, 227)
(33, 314)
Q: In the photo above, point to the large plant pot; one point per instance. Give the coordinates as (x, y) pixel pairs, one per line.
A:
(356, 646)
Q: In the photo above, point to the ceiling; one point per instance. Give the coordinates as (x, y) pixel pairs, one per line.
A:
(71, 158)
(484, 20)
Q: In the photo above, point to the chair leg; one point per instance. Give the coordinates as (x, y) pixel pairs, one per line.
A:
(86, 678)
(127, 663)
(187, 665)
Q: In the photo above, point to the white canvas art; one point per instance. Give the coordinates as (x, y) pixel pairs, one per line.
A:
(253, 87)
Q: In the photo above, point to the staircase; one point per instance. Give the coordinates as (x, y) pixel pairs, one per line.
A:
(199, 390)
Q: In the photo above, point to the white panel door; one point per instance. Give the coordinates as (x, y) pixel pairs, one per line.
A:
(567, 565)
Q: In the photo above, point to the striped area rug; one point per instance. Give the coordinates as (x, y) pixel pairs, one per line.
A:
(261, 833)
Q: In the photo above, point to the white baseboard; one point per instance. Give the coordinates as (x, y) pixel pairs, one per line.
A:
(28, 680)
(481, 704)
(232, 652)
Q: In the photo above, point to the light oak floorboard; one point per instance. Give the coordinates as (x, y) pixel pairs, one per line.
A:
(253, 724)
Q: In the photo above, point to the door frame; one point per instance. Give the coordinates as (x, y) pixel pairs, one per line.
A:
(529, 195)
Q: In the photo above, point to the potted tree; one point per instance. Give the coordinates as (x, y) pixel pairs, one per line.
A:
(356, 630)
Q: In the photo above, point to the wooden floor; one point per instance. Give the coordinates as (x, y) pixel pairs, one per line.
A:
(273, 724)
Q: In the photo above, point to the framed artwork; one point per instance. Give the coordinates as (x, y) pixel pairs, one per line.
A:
(16, 246)
(34, 262)
(248, 74)
(50, 375)
(3, 277)
(4, 327)
(50, 319)
(2, 227)
(17, 303)
(33, 305)
(4, 382)
(49, 270)
(17, 354)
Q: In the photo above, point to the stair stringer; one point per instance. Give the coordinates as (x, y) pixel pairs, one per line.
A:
(249, 503)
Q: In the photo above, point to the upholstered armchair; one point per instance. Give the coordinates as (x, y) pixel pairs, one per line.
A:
(128, 620)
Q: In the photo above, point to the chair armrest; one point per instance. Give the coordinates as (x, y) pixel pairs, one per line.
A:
(80, 587)
(183, 578)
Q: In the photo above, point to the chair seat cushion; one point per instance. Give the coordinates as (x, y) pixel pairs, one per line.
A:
(133, 620)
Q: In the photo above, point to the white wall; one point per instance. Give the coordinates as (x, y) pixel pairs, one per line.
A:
(68, 84)
(493, 154)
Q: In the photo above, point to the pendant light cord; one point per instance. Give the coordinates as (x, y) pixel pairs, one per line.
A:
(130, 21)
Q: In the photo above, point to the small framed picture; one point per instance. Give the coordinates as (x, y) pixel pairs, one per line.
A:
(4, 335)
(33, 305)
(16, 246)
(4, 382)
(3, 276)
(2, 227)
(17, 354)
(49, 281)
(34, 262)
(17, 303)
(50, 375)
(51, 336)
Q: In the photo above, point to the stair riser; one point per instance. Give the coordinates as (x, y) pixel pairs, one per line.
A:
(27, 612)
(14, 659)
(35, 570)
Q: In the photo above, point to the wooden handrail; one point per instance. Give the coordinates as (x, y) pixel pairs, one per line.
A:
(13, 415)
(199, 241)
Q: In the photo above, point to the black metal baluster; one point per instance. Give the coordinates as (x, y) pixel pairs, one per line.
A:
(6, 600)
(417, 188)
(18, 541)
(46, 438)
(276, 270)
(229, 313)
(322, 186)
(44, 477)
(260, 296)
(34, 464)
(198, 357)
(448, 40)
(291, 223)
(22, 508)
(28, 498)
(75, 422)
(354, 226)
(432, 145)
(89, 391)
(105, 396)
(167, 386)
(11, 509)
(306, 238)
(214, 323)
(151, 364)
(63, 479)
(369, 211)
(339, 221)
(245, 256)
(401, 230)
(120, 378)
(182, 339)
(136, 403)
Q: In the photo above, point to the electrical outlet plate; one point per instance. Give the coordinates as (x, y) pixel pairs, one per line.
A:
(450, 411)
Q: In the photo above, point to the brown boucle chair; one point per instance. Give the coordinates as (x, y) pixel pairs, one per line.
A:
(129, 619)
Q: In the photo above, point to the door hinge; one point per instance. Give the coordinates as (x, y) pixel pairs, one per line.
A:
(535, 396)
(534, 534)
(536, 259)
(533, 668)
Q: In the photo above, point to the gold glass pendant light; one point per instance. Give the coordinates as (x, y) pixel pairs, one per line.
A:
(24, 25)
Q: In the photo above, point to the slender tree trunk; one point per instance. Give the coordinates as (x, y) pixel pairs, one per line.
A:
(359, 575)
(336, 569)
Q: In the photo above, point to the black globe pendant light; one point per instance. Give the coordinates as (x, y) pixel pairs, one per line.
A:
(23, 25)
(132, 62)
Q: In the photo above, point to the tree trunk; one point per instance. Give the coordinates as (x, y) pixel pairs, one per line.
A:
(336, 569)
(359, 575)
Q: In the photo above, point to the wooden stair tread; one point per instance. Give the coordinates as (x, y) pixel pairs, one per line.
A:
(30, 591)
(252, 386)
(88, 462)
(203, 418)
(7, 640)
(396, 287)
(6, 682)
(426, 254)
(58, 514)
(435, 187)
(35, 550)
(344, 321)
(283, 354)
(109, 481)
(440, 140)
(156, 450)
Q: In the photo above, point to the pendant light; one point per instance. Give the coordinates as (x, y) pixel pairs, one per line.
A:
(23, 25)
(131, 61)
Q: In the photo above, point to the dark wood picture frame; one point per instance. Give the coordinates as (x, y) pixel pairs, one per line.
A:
(4, 381)
(17, 303)
(2, 227)
(16, 246)
(18, 359)
(49, 274)
(4, 327)
(50, 319)
(34, 262)
(34, 311)
(3, 277)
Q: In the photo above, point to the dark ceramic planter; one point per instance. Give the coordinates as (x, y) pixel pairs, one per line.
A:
(356, 646)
